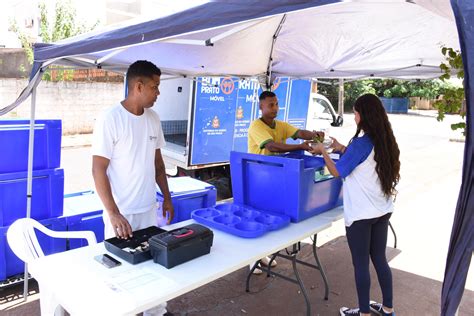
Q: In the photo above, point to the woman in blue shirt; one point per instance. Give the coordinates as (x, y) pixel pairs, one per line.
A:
(370, 168)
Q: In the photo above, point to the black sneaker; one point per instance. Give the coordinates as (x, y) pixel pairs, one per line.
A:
(377, 308)
(346, 311)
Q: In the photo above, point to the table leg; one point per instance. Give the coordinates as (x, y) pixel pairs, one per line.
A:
(270, 263)
(48, 304)
(249, 275)
(321, 269)
(292, 257)
(300, 282)
(394, 235)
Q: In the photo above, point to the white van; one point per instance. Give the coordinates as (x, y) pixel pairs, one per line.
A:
(321, 113)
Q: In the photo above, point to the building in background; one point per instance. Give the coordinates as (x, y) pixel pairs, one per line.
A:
(26, 13)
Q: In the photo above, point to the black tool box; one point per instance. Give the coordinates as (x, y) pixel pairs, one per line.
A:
(180, 245)
(135, 249)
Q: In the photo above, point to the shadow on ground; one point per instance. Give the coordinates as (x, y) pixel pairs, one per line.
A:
(413, 294)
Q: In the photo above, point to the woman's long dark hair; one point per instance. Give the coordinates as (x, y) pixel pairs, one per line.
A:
(374, 122)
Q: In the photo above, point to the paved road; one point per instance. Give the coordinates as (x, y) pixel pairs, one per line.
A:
(428, 190)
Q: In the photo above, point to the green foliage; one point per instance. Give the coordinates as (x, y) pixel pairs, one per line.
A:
(22, 69)
(25, 43)
(454, 62)
(428, 89)
(354, 89)
(330, 91)
(453, 99)
(389, 88)
(399, 89)
(63, 26)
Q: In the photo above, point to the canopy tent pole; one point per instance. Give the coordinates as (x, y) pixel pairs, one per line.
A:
(340, 100)
(268, 77)
(29, 183)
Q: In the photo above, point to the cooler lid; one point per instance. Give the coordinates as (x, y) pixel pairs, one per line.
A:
(82, 202)
(180, 185)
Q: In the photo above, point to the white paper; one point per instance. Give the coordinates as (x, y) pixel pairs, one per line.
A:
(140, 282)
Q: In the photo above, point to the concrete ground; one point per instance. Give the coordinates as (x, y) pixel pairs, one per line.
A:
(431, 157)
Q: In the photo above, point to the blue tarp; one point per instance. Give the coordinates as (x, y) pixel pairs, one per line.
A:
(202, 17)
(313, 38)
(461, 245)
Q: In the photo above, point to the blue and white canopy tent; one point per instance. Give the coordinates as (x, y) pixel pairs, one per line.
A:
(299, 39)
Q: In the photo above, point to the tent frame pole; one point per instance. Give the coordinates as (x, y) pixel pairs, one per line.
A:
(340, 103)
(268, 79)
(29, 183)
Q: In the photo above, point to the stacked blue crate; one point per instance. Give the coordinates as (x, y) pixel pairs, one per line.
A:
(83, 211)
(47, 185)
(288, 184)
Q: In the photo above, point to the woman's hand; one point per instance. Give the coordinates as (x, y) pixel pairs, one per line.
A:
(336, 145)
(317, 148)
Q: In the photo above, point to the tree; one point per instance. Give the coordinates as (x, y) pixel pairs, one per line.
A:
(454, 99)
(63, 26)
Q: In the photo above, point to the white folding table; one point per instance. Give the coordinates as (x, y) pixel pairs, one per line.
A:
(79, 284)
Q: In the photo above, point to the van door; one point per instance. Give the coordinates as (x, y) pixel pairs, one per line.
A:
(320, 113)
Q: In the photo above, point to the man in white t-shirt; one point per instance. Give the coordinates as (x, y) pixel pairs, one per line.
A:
(127, 162)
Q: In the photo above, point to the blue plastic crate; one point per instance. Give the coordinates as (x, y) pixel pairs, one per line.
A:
(83, 211)
(14, 138)
(11, 265)
(395, 105)
(283, 184)
(47, 198)
(92, 221)
(187, 195)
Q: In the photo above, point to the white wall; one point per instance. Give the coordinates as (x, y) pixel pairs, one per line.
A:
(77, 104)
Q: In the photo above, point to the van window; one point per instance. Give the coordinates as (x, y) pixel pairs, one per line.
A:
(321, 109)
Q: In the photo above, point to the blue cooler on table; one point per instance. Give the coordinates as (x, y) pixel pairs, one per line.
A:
(187, 195)
(11, 265)
(83, 211)
(290, 184)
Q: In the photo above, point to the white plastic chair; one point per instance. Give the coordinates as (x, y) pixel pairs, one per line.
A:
(22, 240)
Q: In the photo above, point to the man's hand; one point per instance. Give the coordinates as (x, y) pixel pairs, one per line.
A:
(306, 146)
(121, 226)
(168, 211)
(318, 136)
